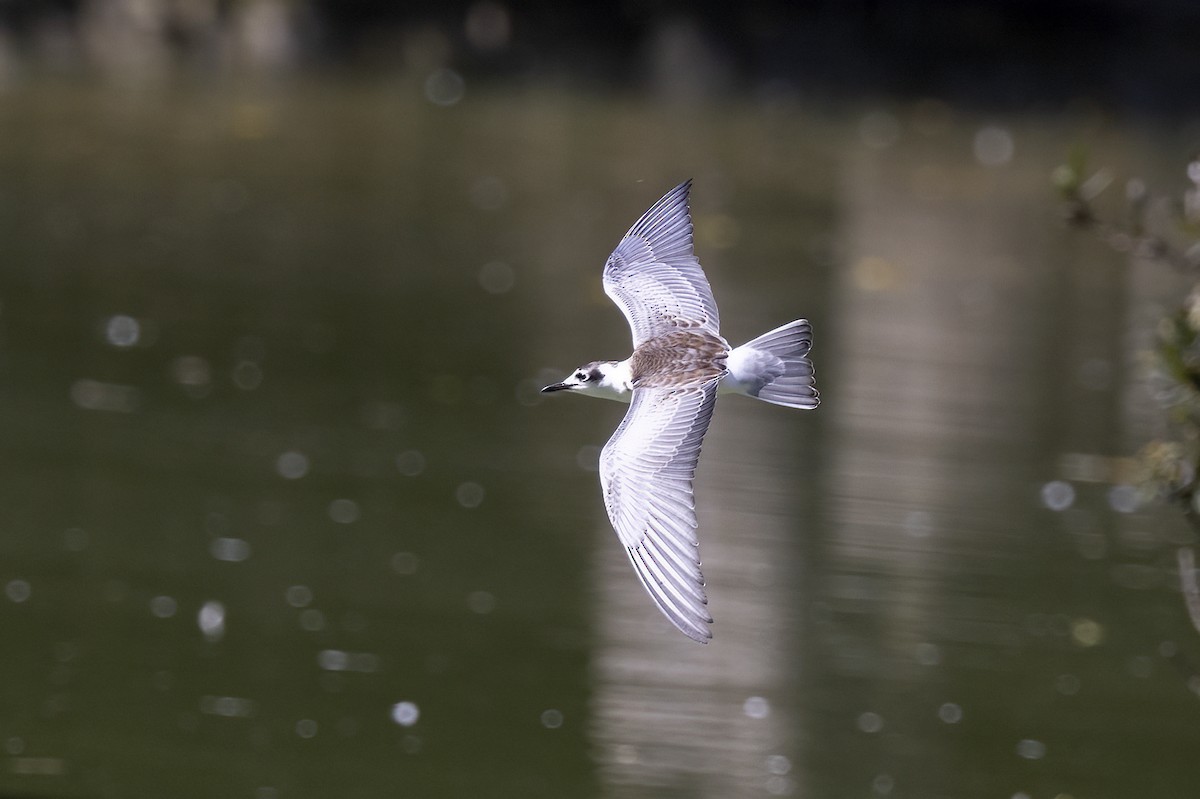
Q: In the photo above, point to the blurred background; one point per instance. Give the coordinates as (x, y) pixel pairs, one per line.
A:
(282, 513)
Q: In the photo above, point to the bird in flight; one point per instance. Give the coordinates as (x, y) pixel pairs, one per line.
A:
(680, 362)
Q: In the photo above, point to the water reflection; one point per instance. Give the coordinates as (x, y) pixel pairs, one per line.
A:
(678, 719)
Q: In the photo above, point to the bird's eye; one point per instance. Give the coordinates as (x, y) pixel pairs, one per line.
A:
(581, 376)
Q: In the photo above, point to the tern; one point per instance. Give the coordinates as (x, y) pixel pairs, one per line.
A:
(680, 362)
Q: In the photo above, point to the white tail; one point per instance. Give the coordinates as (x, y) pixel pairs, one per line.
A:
(775, 367)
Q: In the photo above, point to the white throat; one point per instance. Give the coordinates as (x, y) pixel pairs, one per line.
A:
(616, 382)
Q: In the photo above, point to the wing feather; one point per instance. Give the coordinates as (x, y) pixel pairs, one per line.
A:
(646, 472)
(654, 277)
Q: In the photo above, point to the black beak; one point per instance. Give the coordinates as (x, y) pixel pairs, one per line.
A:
(555, 387)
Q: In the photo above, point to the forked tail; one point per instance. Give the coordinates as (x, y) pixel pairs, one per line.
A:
(775, 367)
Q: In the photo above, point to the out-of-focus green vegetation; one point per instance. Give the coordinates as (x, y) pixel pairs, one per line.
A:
(1163, 229)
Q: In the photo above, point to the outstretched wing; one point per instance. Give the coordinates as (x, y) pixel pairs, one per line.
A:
(646, 472)
(654, 278)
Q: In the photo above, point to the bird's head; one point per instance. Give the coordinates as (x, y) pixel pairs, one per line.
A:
(599, 378)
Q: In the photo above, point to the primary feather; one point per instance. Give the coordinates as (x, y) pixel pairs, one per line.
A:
(654, 278)
(646, 473)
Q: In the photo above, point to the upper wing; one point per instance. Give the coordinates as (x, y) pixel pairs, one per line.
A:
(646, 472)
(654, 278)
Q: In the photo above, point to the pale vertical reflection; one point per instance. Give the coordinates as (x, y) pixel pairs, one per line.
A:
(672, 717)
(937, 355)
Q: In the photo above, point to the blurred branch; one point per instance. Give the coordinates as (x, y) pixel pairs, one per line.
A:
(1163, 230)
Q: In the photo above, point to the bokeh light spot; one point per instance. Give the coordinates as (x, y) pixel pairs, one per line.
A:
(18, 590)
(756, 707)
(405, 563)
(870, 722)
(122, 331)
(993, 146)
(247, 375)
(488, 26)
(1087, 632)
(344, 511)
(1123, 498)
(1031, 749)
(339, 660)
(94, 395)
(211, 620)
(469, 495)
(444, 87)
(193, 374)
(312, 620)
(292, 465)
(298, 596)
(481, 602)
(230, 550)
(1067, 684)
(1058, 495)
(410, 463)
(406, 714)
(228, 706)
(778, 764)
(163, 607)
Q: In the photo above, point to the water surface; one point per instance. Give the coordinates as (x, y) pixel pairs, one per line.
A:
(284, 516)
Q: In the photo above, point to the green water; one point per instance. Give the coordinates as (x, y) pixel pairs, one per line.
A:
(283, 515)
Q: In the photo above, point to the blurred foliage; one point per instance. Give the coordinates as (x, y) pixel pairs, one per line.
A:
(1166, 230)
